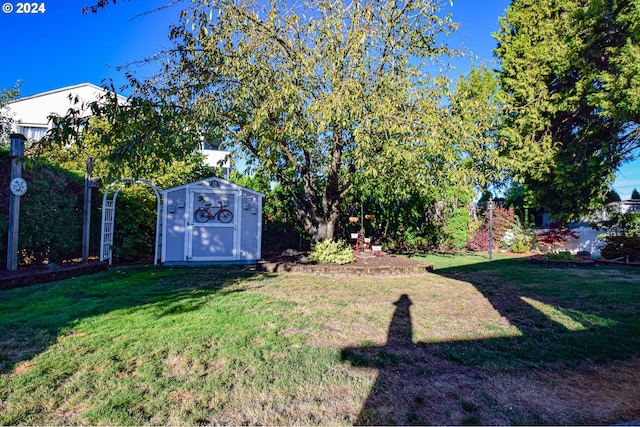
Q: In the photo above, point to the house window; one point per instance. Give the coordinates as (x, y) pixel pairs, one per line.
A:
(34, 133)
(210, 145)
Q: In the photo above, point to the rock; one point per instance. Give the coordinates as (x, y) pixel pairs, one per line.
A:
(288, 252)
(52, 266)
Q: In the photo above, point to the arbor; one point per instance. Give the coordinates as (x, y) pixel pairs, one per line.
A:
(319, 95)
(570, 83)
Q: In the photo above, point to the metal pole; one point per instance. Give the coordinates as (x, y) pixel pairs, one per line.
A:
(86, 218)
(16, 153)
(491, 206)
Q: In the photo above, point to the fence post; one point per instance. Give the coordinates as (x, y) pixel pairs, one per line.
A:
(86, 217)
(18, 187)
(491, 206)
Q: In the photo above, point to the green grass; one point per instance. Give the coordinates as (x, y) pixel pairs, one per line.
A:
(601, 303)
(150, 345)
(134, 340)
(442, 261)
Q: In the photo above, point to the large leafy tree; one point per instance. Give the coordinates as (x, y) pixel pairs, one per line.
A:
(320, 95)
(571, 84)
(474, 117)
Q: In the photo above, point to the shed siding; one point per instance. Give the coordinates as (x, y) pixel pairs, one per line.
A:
(176, 221)
(251, 212)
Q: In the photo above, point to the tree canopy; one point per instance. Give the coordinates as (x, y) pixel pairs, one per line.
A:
(320, 95)
(570, 86)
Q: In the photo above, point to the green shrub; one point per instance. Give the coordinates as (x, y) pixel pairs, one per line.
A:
(518, 238)
(135, 224)
(559, 256)
(520, 248)
(457, 229)
(50, 214)
(622, 247)
(335, 252)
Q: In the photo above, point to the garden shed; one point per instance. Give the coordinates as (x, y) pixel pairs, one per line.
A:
(212, 221)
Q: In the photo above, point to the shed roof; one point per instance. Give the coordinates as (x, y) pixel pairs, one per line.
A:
(210, 183)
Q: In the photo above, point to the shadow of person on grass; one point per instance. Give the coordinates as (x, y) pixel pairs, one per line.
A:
(395, 365)
(449, 382)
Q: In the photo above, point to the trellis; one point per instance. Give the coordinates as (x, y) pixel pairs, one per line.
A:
(108, 217)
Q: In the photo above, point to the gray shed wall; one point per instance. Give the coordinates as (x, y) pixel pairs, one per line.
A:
(211, 241)
(251, 231)
(176, 227)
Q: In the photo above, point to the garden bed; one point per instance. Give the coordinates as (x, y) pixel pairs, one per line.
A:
(381, 265)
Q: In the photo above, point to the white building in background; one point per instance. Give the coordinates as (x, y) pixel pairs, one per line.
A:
(30, 116)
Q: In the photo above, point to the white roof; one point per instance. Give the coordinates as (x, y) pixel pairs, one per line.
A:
(213, 183)
(34, 110)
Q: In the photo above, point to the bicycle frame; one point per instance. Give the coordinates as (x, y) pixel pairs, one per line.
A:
(206, 213)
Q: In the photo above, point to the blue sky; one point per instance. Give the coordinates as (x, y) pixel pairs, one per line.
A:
(62, 47)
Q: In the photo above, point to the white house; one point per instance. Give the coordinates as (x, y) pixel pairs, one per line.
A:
(30, 116)
(626, 206)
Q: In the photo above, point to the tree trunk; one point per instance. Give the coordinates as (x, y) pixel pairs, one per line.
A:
(320, 219)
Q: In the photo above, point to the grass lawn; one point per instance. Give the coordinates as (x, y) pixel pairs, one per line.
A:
(476, 342)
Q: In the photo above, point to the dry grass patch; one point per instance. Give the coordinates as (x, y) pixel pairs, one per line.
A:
(358, 310)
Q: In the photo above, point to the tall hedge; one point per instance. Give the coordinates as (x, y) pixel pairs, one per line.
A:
(50, 214)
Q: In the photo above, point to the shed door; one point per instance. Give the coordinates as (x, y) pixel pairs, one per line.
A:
(212, 226)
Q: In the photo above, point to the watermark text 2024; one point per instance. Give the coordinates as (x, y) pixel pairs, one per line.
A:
(24, 8)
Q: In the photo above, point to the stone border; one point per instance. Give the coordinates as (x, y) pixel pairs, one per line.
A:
(33, 277)
(335, 269)
(563, 263)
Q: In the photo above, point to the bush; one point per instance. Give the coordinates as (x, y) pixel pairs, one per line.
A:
(559, 256)
(557, 233)
(520, 248)
(480, 241)
(622, 247)
(457, 229)
(135, 224)
(50, 214)
(518, 238)
(335, 252)
(502, 222)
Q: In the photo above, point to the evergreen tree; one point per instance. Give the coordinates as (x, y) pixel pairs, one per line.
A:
(635, 195)
(613, 196)
(570, 79)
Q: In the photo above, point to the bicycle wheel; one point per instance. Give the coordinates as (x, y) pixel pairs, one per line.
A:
(225, 216)
(201, 215)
